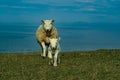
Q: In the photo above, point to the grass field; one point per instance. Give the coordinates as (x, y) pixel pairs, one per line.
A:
(78, 65)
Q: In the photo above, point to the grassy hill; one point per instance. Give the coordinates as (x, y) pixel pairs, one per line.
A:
(79, 65)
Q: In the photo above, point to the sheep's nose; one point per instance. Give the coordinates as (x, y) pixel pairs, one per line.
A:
(47, 30)
(53, 48)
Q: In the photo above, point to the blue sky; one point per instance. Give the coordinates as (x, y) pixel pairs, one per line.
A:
(32, 11)
(96, 21)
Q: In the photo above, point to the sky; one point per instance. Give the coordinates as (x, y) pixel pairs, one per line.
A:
(62, 11)
(97, 23)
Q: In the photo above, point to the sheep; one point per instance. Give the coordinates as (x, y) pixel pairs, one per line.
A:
(44, 32)
(54, 51)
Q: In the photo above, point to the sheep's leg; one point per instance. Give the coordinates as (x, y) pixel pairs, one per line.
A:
(49, 54)
(55, 58)
(58, 60)
(50, 57)
(43, 49)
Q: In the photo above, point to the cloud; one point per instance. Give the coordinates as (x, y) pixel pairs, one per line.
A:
(85, 1)
(114, 0)
(65, 5)
(18, 7)
(72, 5)
(91, 9)
(50, 2)
(67, 10)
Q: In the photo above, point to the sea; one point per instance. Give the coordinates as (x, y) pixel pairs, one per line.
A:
(21, 38)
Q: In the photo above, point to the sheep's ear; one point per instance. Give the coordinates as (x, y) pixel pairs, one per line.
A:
(59, 39)
(53, 20)
(42, 21)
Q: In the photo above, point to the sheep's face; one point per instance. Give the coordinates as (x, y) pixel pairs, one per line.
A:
(47, 24)
(53, 43)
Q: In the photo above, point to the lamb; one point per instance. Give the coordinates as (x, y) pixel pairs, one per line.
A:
(54, 51)
(44, 32)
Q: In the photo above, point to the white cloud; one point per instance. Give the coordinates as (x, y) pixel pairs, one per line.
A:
(50, 2)
(86, 1)
(21, 7)
(67, 10)
(91, 9)
(65, 5)
(87, 8)
(114, 0)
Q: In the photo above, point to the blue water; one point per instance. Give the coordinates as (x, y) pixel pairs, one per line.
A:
(21, 38)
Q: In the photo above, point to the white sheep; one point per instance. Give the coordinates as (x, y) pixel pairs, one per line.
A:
(44, 32)
(53, 51)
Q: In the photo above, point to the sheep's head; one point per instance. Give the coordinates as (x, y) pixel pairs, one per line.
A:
(47, 24)
(54, 43)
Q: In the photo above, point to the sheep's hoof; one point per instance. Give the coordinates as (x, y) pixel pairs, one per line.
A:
(58, 61)
(49, 63)
(43, 57)
(55, 65)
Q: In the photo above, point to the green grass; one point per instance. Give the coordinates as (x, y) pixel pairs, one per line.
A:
(79, 65)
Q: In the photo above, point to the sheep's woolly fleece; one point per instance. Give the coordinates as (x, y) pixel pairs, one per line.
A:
(42, 36)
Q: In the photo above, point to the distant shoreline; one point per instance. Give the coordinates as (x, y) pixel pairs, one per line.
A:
(61, 51)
